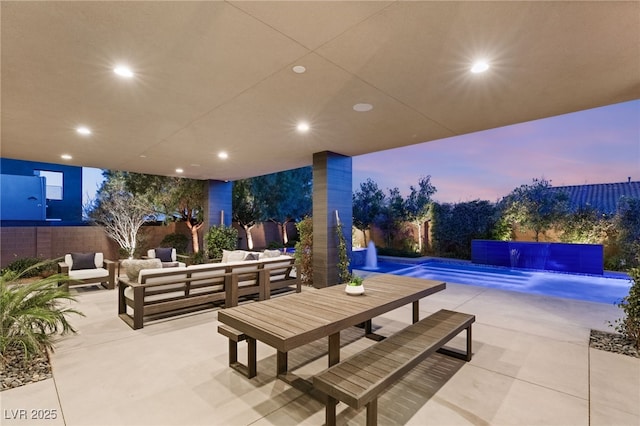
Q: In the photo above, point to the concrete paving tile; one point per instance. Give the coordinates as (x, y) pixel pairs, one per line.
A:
(475, 396)
(33, 404)
(558, 365)
(614, 383)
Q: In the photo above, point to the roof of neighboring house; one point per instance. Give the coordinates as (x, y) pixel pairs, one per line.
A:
(601, 196)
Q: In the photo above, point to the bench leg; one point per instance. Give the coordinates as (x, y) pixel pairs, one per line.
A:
(233, 352)
(372, 412)
(469, 351)
(252, 358)
(330, 414)
(416, 311)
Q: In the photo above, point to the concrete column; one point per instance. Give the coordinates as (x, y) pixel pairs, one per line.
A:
(219, 203)
(331, 192)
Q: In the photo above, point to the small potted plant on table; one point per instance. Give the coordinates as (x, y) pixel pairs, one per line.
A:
(354, 286)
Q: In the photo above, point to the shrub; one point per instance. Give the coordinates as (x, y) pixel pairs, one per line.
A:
(629, 326)
(304, 250)
(198, 258)
(344, 275)
(32, 313)
(176, 240)
(29, 267)
(220, 237)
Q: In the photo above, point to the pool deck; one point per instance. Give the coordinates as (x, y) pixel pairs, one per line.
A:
(532, 365)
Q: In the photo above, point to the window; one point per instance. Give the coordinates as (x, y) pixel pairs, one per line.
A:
(53, 182)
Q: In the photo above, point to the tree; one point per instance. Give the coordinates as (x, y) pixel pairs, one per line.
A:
(175, 198)
(245, 208)
(392, 215)
(586, 225)
(120, 212)
(627, 224)
(417, 205)
(454, 226)
(284, 196)
(368, 204)
(536, 207)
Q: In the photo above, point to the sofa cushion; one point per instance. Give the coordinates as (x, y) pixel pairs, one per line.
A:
(268, 254)
(83, 261)
(170, 264)
(233, 256)
(134, 266)
(164, 254)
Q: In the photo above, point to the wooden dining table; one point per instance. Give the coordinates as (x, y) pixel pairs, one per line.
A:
(290, 321)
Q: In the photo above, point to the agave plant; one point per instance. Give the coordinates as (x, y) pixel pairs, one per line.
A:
(33, 313)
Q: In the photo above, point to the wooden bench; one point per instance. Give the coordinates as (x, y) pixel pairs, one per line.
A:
(234, 337)
(361, 378)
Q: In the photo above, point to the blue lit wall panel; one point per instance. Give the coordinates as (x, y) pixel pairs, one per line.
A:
(580, 258)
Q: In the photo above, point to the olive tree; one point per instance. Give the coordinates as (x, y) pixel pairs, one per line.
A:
(245, 208)
(535, 207)
(368, 204)
(416, 206)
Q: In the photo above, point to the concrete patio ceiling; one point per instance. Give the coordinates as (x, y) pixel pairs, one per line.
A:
(217, 76)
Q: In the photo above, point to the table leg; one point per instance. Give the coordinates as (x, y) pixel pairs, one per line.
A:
(334, 349)
(416, 311)
(281, 361)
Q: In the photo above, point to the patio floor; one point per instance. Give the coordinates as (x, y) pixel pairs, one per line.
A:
(532, 365)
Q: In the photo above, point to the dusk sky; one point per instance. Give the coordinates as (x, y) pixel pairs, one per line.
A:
(600, 145)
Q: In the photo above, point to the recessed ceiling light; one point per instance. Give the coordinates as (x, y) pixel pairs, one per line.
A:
(123, 71)
(303, 127)
(299, 69)
(143, 156)
(362, 107)
(179, 170)
(66, 157)
(480, 66)
(83, 130)
(223, 155)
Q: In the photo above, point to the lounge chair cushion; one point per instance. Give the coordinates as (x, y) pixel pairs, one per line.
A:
(165, 254)
(83, 261)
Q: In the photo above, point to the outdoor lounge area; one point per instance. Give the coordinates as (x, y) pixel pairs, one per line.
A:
(531, 365)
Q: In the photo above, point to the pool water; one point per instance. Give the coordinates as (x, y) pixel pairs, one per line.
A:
(608, 288)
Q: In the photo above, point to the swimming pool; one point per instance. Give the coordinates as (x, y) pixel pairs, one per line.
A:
(608, 288)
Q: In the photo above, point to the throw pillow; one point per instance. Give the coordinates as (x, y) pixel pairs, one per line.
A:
(164, 254)
(83, 261)
(252, 256)
(134, 266)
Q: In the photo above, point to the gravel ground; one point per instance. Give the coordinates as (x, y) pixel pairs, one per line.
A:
(612, 342)
(18, 372)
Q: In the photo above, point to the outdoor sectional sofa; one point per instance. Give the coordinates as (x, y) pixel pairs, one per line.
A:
(170, 291)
